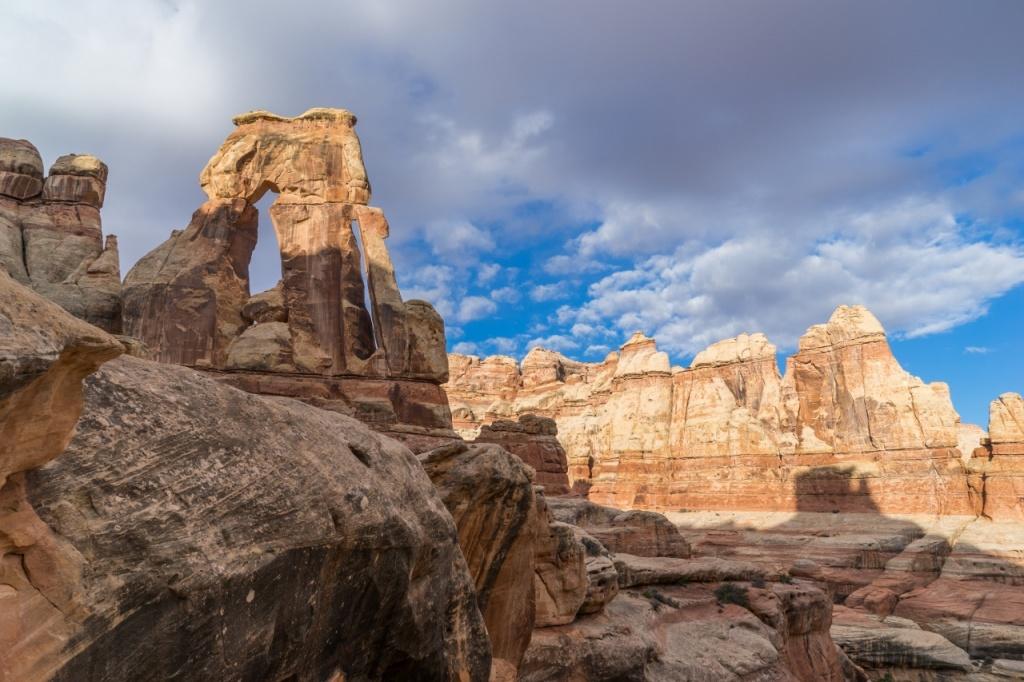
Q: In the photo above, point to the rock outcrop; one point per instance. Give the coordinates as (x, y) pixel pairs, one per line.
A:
(51, 238)
(845, 429)
(533, 440)
(335, 331)
(206, 533)
(998, 466)
(490, 496)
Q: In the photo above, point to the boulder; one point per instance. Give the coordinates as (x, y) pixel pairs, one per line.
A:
(534, 440)
(632, 532)
(21, 169)
(490, 495)
(207, 533)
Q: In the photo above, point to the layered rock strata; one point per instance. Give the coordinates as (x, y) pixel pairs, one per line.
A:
(998, 465)
(533, 440)
(845, 429)
(51, 236)
(335, 331)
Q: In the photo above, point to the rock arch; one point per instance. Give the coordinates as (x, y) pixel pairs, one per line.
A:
(189, 299)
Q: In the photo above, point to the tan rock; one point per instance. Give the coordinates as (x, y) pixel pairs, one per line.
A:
(21, 169)
(633, 532)
(1002, 464)
(54, 243)
(490, 495)
(266, 306)
(76, 178)
(602, 576)
(189, 299)
(311, 158)
(265, 347)
(878, 644)
(533, 440)
(560, 575)
(194, 518)
(845, 429)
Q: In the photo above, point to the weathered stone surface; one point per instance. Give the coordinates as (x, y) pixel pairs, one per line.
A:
(209, 546)
(344, 316)
(894, 643)
(602, 576)
(845, 429)
(184, 298)
(631, 532)
(490, 495)
(533, 440)
(638, 570)
(681, 633)
(44, 355)
(311, 158)
(54, 243)
(21, 169)
(1001, 465)
(266, 306)
(77, 178)
(560, 575)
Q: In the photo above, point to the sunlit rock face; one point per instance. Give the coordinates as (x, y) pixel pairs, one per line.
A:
(998, 466)
(51, 237)
(844, 429)
(335, 330)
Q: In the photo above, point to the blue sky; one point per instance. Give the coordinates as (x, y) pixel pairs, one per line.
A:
(566, 173)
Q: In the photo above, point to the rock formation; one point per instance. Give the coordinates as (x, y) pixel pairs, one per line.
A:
(335, 331)
(181, 532)
(491, 498)
(51, 237)
(845, 429)
(998, 466)
(533, 440)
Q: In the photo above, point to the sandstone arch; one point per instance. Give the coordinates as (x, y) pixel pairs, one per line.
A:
(188, 298)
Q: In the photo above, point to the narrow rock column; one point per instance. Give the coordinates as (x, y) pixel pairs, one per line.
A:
(388, 309)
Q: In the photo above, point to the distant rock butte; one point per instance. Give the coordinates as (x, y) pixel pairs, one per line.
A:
(51, 237)
(844, 429)
(335, 331)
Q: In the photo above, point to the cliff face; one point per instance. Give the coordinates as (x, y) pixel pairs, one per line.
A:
(51, 238)
(844, 429)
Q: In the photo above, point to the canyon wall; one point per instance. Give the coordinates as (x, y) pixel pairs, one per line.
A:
(844, 429)
(51, 236)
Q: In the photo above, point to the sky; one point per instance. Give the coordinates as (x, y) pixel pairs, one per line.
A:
(565, 173)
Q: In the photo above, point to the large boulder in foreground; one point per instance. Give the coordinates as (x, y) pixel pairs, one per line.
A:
(209, 534)
(490, 494)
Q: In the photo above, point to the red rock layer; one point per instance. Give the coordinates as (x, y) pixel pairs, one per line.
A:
(533, 440)
(845, 429)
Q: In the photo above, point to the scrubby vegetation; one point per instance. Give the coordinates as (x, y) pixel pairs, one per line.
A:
(731, 593)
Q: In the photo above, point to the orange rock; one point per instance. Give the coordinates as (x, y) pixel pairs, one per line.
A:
(845, 429)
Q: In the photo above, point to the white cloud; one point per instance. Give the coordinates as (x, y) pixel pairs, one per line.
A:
(466, 348)
(503, 344)
(548, 292)
(597, 349)
(486, 272)
(475, 307)
(457, 238)
(911, 265)
(977, 350)
(563, 264)
(557, 342)
(505, 295)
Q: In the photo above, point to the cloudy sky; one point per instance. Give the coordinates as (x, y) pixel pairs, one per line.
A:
(564, 173)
